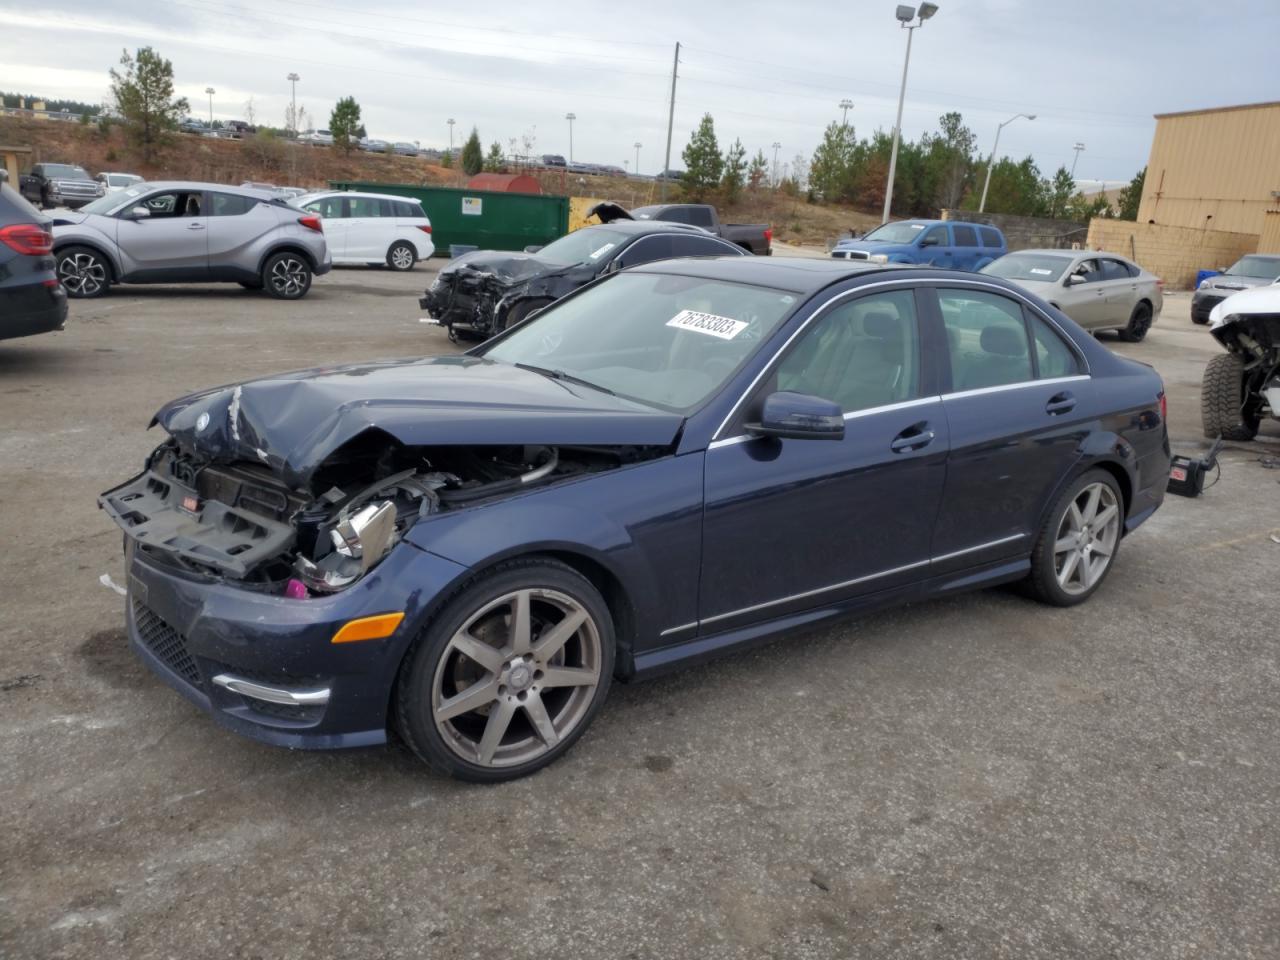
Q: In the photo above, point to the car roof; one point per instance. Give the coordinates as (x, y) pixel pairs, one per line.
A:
(795, 274)
(254, 192)
(316, 194)
(650, 226)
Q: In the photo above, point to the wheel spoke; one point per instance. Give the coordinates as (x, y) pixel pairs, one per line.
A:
(472, 698)
(1091, 505)
(499, 720)
(1065, 544)
(1088, 572)
(1074, 518)
(1069, 567)
(552, 639)
(474, 649)
(521, 634)
(1101, 549)
(537, 712)
(1104, 517)
(568, 677)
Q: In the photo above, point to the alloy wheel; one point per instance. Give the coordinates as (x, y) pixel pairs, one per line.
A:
(1086, 539)
(289, 277)
(82, 274)
(516, 678)
(401, 257)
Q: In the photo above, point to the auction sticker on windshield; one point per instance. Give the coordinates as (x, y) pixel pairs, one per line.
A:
(726, 328)
(1041, 272)
(602, 251)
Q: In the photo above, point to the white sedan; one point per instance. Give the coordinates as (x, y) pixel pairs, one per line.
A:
(372, 228)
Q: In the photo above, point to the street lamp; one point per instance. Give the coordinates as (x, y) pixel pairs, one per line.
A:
(638, 145)
(571, 117)
(1077, 148)
(210, 91)
(451, 122)
(982, 204)
(293, 79)
(776, 147)
(846, 105)
(905, 15)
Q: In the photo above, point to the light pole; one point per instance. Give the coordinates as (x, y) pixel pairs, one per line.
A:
(845, 105)
(638, 145)
(905, 15)
(571, 117)
(991, 161)
(210, 91)
(1077, 148)
(293, 79)
(451, 122)
(776, 147)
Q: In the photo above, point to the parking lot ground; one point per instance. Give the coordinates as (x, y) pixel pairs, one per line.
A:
(980, 777)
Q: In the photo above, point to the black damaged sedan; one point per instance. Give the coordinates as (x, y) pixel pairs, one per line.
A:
(486, 291)
(683, 459)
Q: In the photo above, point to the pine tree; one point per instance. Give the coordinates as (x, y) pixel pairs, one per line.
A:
(344, 123)
(1131, 196)
(735, 170)
(143, 94)
(758, 173)
(702, 161)
(494, 162)
(472, 154)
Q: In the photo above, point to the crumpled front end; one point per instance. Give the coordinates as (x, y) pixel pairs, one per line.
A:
(477, 290)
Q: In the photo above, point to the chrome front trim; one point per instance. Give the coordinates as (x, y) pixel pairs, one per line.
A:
(292, 698)
(981, 546)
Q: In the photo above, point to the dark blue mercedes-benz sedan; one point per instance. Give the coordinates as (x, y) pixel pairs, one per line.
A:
(674, 461)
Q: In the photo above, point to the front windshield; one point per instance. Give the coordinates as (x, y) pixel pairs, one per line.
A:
(587, 245)
(1256, 268)
(65, 170)
(113, 201)
(664, 340)
(905, 232)
(1042, 268)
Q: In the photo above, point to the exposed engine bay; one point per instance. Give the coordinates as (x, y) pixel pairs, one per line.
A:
(240, 521)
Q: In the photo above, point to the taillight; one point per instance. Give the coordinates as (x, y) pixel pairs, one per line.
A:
(1164, 407)
(425, 228)
(28, 238)
(768, 235)
(312, 222)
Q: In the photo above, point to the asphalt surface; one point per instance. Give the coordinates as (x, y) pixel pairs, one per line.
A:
(976, 778)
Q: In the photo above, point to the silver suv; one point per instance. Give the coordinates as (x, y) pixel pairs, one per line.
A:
(190, 233)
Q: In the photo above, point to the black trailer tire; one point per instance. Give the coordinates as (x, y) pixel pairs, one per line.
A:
(1224, 408)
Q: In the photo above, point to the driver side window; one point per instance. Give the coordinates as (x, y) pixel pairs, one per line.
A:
(646, 250)
(1089, 270)
(178, 204)
(934, 237)
(861, 354)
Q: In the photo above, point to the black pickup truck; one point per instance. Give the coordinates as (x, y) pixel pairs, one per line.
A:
(754, 237)
(60, 185)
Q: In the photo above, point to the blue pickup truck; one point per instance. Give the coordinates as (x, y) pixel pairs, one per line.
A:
(939, 243)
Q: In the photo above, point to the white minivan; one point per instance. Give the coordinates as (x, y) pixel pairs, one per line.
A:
(372, 228)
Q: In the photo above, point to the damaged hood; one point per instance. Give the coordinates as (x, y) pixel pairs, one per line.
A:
(510, 268)
(293, 422)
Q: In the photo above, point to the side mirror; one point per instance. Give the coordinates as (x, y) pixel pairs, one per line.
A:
(136, 213)
(533, 248)
(1074, 280)
(798, 416)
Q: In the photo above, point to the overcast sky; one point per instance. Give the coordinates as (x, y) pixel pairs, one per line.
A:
(1091, 71)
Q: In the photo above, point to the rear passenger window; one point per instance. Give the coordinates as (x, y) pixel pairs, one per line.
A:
(965, 236)
(229, 205)
(990, 238)
(986, 339)
(862, 354)
(366, 206)
(698, 247)
(1053, 357)
(408, 211)
(1114, 270)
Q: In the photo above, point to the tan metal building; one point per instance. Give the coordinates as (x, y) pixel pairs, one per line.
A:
(1216, 169)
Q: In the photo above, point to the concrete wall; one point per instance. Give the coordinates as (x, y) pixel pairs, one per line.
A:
(1213, 169)
(1026, 233)
(1269, 239)
(1172, 253)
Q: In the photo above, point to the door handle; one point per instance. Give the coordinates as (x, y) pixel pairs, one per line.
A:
(1060, 403)
(915, 437)
(195, 226)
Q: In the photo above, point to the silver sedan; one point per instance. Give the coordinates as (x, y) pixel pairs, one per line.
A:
(1099, 291)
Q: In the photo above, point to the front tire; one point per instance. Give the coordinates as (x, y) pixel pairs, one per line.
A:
(286, 276)
(402, 256)
(508, 676)
(1139, 324)
(1225, 408)
(1078, 542)
(83, 272)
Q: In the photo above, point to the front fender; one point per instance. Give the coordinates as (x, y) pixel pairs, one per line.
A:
(79, 237)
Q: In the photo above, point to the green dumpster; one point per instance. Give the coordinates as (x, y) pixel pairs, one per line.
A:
(481, 218)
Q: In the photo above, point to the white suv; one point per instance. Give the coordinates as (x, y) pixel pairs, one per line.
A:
(372, 228)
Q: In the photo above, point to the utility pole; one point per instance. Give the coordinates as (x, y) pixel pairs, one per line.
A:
(451, 122)
(776, 147)
(846, 105)
(671, 119)
(638, 145)
(210, 91)
(1077, 148)
(293, 79)
(571, 117)
(991, 161)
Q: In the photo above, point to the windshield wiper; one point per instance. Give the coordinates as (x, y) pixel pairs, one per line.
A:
(564, 376)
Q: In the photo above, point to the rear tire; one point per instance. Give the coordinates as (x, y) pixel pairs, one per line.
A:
(402, 257)
(286, 276)
(1139, 324)
(83, 272)
(1078, 542)
(518, 313)
(1224, 407)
